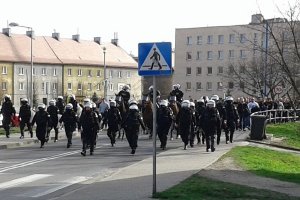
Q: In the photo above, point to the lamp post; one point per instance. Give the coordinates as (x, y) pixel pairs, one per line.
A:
(13, 24)
(105, 78)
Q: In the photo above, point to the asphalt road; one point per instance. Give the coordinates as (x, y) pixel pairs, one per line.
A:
(33, 173)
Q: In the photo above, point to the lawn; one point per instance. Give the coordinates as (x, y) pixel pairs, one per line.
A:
(268, 163)
(13, 130)
(289, 131)
(197, 187)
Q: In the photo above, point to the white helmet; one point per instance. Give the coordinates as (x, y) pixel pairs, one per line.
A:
(163, 103)
(131, 102)
(125, 87)
(52, 102)
(200, 100)
(186, 103)
(7, 96)
(211, 103)
(133, 107)
(215, 97)
(24, 100)
(72, 96)
(175, 86)
(178, 86)
(69, 106)
(192, 104)
(86, 100)
(151, 88)
(41, 105)
(229, 98)
(60, 97)
(88, 105)
(113, 103)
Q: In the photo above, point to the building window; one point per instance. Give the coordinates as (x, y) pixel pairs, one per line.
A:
(243, 38)
(220, 85)
(209, 85)
(54, 86)
(188, 55)
(43, 86)
(89, 86)
(98, 86)
(79, 72)
(188, 86)
(220, 70)
(209, 55)
(209, 70)
(242, 54)
(33, 86)
(209, 39)
(44, 72)
(33, 71)
(110, 73)
(230, 85)
(69, 72)
(199, 70)
(198, 86)
(98, 73)
(221, 39)
(189, 40)
(111, 87)
(120, 74)
(69, 86)
(21, 86)
(199, 39)
(231, 38)
(188, 71)
(79, 86)
(198, 55)
(21, 71)
(4, 86)
(231, 53)
(220, 55)
(128, 74)
(89, 73)
(54, 72)
(4, 70)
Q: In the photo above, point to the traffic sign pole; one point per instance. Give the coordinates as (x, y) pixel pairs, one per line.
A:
(154, 136)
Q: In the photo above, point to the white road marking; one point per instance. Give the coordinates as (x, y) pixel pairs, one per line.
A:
(20, 181)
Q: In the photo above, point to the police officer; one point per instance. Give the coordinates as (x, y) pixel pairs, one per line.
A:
(131, 125)
(221, 109)
(7, 111)
(25, 115)
(193, 126)
(90, 126)
(200, 108)
(125, 94)
(150, 94)
(41, 118)
(53, 112)
(74, 103)
(164, 121)
(60, 104)
(69, 119)
(210, 120)
(177, 92)
(113, 120)
(231, 117)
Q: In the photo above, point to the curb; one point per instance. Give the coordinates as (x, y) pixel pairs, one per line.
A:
(274, 145)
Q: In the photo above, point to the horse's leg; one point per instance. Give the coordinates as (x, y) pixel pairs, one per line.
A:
(171, 132)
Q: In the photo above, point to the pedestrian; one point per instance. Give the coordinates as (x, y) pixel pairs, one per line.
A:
(53, 122)
(113, 119)
(103, 109)
(8, 111)
(60, 104)
(164, 121)
(231, 118)
(41, 118)
(69, 119)
(210, 121)
(25, 116)
(90, 126)
(131, 125)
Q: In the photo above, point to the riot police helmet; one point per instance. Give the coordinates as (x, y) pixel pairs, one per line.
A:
(215, 97)
(211, 103)
(52, 102)
(185, 103)
(113, 103)
(69, 106)
(41, 106)
(133, 107)
(163, 103)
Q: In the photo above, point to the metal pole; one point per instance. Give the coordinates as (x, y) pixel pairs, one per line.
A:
(266, 59)
(154, 136)
(31, 69)
(105, 81)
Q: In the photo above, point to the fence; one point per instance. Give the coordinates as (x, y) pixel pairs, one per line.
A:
(279, 115)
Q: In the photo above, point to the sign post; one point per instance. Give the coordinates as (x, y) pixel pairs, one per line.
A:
(155, 59)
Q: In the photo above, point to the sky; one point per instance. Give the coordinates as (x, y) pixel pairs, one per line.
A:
(135, 21)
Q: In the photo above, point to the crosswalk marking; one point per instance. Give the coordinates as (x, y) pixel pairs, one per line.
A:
(20, 181)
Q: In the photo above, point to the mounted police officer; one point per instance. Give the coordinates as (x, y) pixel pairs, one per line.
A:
(164, 121)
(150, 94)
(69, 119)
(177, 92)
(7, 111)
(231, 118)
(25, 115)
(125, 94)
(113, 119)
(53, 112)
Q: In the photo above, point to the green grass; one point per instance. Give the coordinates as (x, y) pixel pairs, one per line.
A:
(290, 131)
(197, 187)
(13, 130)
(264, 162)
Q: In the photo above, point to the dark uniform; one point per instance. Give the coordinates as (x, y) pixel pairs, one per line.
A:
(41, 118)
(7, 111)
(60, 104)
(125, 96)
(178, 93)
(113, 120)
(200, 107)
(164, 121)
(231, 117)
(221, 109)
(25, 115)
(53, 112)
(69, 119)
(131, 125)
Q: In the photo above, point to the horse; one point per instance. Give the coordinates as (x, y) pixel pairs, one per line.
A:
(148, 116)
(123, 111)
(175, 110)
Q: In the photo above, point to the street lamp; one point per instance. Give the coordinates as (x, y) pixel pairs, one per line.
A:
(105, 78)
(13, 24)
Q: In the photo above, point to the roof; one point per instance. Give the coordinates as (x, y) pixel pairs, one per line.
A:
(16, 48)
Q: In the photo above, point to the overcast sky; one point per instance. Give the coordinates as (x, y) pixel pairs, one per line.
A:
(135, 21)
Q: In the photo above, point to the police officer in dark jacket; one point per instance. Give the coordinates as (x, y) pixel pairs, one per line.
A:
(221, 109)
(113, 119)
(7, 111)
(125, 94)
(200, 108)
(73, 101)
(60, 104)
(177, 92)
(164, 121)
(210, 122)
(69, 119)
(90, 126)
(41, 118)
(25, 115)
(131, 125)
(150, 94)
(231, 118)
(53, 112)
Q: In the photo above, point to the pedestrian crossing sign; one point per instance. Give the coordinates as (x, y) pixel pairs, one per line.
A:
(155, 59)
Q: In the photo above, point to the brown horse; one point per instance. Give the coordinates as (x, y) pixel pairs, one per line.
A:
(148, 116)
(175, 109)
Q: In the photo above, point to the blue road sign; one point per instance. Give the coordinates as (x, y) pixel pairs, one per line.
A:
(155, 59)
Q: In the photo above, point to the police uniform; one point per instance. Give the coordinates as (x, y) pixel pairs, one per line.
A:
(25, 115)
(69, 119)
(164, 121)
(53, 112)
(113, 120)
(231, 117)
(7, 111)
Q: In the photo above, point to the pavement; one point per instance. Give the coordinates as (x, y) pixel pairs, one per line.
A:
(136, 181)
